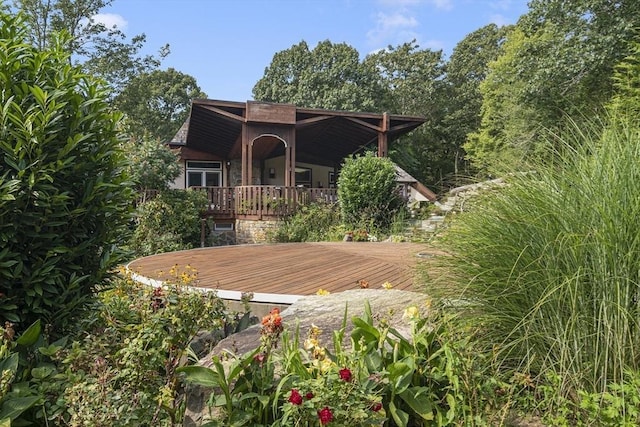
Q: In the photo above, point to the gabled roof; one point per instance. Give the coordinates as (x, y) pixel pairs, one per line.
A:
(403, 177)
(322, 136)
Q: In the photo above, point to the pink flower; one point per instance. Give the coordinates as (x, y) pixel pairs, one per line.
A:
(295, 397)
(325, 415)
(259, 358)
(309, 395)
(376, 406)
(345, 374)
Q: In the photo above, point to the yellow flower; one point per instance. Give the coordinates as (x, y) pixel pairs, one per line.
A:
(411, 313)
(319, 353)
(387, 285)
(314, 331)
(310, 343)
(428, 303)
(326, 365)
(322, 292)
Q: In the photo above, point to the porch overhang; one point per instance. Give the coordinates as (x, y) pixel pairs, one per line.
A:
(323, 137)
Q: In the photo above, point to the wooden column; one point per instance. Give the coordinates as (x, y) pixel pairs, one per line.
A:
(245, 149)
(290, 158)
(382, 136)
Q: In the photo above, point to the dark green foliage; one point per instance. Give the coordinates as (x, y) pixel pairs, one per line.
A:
(156, 104)
(153, 165)
(312, 223)
(169, 222)
(367, 191)
(64, 195)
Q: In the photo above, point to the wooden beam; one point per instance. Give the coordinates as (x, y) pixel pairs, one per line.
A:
(311, 120)
(223, 113)
(402, 126)
(363, 123)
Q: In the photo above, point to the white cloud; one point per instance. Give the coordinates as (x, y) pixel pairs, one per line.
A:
(111, 20)
(390, 26)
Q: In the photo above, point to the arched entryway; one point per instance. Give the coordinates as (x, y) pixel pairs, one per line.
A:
(266, 146)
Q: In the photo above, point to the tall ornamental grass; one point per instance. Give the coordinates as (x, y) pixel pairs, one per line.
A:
(551, 262)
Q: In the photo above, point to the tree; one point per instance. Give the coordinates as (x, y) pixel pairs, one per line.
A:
(466, 69)
(329, 76)
(156, 104)
(64, 194)
(367, 191)
(559, 63)
(412, 80)
(104, 52)
(152, 165)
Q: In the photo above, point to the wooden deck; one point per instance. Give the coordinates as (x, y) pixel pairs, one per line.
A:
(283, 272)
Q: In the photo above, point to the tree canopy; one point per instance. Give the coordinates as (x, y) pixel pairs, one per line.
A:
(557, 63)
(329, 76)
(156, 104)
(103, 52)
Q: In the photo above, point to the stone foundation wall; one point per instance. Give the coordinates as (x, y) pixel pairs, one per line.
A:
(250, 231)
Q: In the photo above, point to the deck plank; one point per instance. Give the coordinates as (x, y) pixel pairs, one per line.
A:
(292, 268)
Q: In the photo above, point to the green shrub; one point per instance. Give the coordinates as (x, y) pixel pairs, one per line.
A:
(552, 263)
(367, 192)
(312, 223)
(64, 196)
(153, 165)
(123, 370)
(169, 222)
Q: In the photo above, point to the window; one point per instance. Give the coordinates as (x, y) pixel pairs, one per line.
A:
(204, 174)
(303, 176)
(224, 226)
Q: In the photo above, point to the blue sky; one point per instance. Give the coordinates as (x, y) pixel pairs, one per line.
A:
(227, 44)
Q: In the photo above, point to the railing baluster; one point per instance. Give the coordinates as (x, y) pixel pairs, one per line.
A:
(263, 201)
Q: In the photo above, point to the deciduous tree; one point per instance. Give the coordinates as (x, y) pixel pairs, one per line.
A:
(328, 76)
(156, 104)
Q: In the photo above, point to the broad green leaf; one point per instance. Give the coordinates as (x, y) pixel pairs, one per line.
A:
(10, 363)
(31, 335)
(419, 401)
(12, 407)
(400, 417)
(200, 375)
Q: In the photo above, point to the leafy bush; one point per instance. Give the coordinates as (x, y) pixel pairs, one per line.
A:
(311, 223)
(123, 371)
(367, 192)
(552, 262)
(169, 222)
(153, 165)
(64, 196)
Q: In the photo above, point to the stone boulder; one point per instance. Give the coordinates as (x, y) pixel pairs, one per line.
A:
(324, 311)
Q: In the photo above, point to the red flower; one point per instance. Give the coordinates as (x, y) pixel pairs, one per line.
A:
(325, 415)
(345, 374)
(295, 397)
(259, 358)
(309, 395)
(376, 406)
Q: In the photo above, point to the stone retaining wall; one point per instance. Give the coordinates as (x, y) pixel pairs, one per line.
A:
(251, 231)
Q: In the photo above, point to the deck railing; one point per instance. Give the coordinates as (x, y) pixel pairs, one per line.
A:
(263, 201)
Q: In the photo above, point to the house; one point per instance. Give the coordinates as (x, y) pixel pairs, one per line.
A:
(259, 161)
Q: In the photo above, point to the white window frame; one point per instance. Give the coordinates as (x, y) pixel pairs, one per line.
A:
(203, 167)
